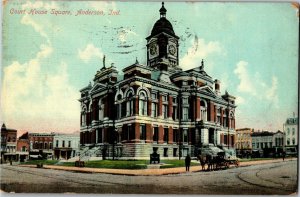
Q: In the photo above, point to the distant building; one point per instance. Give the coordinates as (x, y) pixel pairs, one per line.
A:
(8, 144)
(278, 141)
(65, 145)
(41, 143)
(23, 147)
(243, 143)
(156, 106)
(268, 143)
(291, 132)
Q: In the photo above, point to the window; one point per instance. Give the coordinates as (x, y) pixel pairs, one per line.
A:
(119, 106)
(142, 132)
(166, 135)
(23, 148)
(63, 143)
(129, 106)
(142, 104)
(99, 135)
(164, 98)
(293, 131)
(184, 83)
(288, 131)
(185, 136)
(83, 119)
(128, 132)
(175, 100)
(203, 111)
(185, 113)
(165, 111)
(155, 134)
(50, 145)
(288, 141)
(174, 115)
(46, 145)
(153, 96)
(69, 144)
(153, 109)
(175, 136)
(293, 141)
(56, 143)
(101, 110)
(119, 110)
(184, 100)
(165, 152)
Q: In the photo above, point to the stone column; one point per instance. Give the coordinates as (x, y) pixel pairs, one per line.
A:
(204, 136)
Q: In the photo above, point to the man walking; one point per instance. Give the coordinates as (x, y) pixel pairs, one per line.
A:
(187, 162)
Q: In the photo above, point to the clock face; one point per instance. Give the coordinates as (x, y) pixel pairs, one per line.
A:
(172, 50)
(153, 49)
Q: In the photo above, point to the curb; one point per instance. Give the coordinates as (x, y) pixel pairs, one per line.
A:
(145, 172)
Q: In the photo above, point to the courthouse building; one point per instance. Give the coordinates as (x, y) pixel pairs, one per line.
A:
(156, 106)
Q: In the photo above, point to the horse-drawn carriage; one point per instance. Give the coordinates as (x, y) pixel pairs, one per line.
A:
(215, 158)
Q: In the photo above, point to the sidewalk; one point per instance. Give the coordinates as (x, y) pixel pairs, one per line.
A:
(148, 172)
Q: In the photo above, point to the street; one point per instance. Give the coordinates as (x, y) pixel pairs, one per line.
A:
(273, 178)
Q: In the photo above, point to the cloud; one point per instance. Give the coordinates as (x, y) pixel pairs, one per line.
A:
(27, 20)
(124, 33)
(239, 100)
(38, 100)
(254, 85)
(198, 51)
(89, 52)
(245, 80)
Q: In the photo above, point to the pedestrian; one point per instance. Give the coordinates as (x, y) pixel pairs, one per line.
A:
(283, 155)
(187, 162)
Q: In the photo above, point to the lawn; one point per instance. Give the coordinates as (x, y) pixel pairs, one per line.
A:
(44, 162)
(116, 164)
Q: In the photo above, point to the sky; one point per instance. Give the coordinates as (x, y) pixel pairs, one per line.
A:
(252, 48)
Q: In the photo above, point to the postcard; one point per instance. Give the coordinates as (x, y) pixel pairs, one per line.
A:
(114, 97)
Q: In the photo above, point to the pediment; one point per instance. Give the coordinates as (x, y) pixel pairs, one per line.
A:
(97, 87)
(208, 91)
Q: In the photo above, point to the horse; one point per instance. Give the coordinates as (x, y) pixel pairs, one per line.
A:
(202, 160)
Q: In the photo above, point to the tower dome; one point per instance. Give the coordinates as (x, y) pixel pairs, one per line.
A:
(162, 25)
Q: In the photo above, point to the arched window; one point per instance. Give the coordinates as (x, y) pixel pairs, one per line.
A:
(119, 106)
(142, 104)
(293, 141)
(129, 105)
(231, 121)
(46, 145)
(288, 141)
(101, 110)
(83, 116)
(203, 110)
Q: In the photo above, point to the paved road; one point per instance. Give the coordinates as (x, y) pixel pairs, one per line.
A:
(274, 178)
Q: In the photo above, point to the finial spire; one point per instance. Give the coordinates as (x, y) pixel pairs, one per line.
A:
(136, 60)
(162, 10)
(202, 65)
(104, 61)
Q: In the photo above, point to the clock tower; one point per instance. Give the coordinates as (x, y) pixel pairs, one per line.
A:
(162, 44)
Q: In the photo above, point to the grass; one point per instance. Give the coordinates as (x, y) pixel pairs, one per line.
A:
(44, 162)
(115, 164)
(126, 164)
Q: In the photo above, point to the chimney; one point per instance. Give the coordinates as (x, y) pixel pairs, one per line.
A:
(217, 86)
